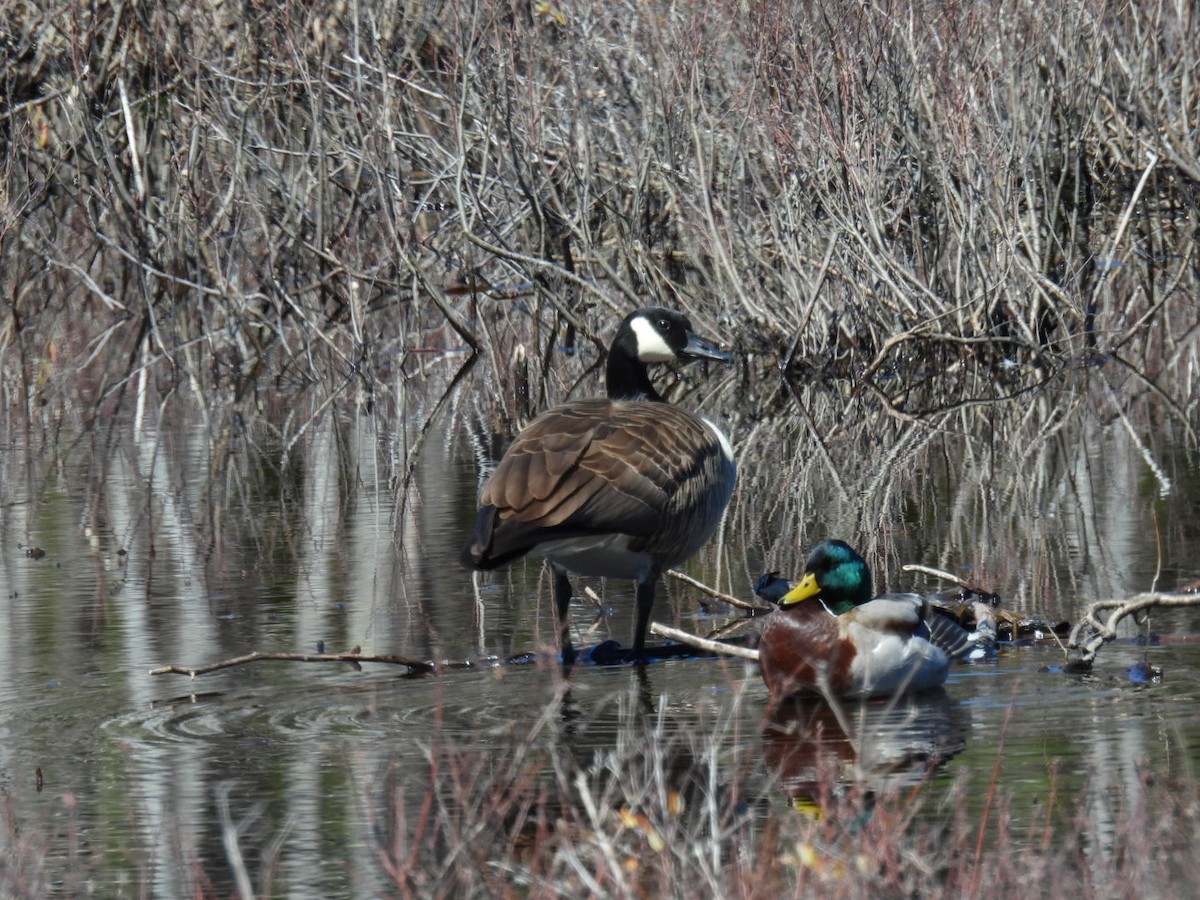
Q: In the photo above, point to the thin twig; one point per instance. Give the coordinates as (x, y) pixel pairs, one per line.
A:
(135, 157)
(1152, 161)
(724, 598)
(416, 664)
(988, 596)
(937, 573)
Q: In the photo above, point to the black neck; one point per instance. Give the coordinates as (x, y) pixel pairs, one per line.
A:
(627, 378)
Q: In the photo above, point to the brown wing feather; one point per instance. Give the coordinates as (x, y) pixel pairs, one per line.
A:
(563, 463)
(597, 465)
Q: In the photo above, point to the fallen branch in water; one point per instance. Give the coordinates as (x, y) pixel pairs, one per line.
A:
(1091, 633)
(987, 596)
(692, 640)
(611, 652)
(937, 573)
(413, 664)
(724, 598)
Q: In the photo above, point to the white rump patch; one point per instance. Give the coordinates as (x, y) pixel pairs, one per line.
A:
(726, 447)
(650, 344)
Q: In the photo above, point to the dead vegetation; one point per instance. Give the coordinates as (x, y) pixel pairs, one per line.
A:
(301, 201)
(272, 211)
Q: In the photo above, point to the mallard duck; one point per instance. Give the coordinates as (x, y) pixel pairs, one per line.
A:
(830, 637)
(625, 486)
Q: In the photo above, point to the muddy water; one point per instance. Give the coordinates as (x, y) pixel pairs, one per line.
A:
(137, 546)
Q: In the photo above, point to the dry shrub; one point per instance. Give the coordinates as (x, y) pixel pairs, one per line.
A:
(254, 202)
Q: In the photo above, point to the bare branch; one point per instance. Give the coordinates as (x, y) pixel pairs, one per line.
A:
(1091, 633)
(936, 573)
(413, 664)
(692, 640)
(724, 598)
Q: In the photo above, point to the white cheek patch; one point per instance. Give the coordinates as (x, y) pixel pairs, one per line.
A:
(650, 344)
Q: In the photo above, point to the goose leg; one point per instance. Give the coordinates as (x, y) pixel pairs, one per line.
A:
(645, 602)
(562, 609)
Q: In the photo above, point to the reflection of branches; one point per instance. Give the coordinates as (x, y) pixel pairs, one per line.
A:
(1169, 402)
(1090, 633)
(414, 452)
(960, 401)
(1164, 480)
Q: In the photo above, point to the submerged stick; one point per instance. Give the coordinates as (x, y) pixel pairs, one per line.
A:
(702, 643)
(414, 664)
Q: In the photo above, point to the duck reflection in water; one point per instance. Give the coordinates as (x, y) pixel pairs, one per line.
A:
(823, 753)
(830, 647)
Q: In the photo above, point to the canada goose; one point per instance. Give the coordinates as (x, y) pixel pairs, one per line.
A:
(622, 487)
(848, 644)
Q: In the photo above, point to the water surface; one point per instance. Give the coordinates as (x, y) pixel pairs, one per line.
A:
(131, 548)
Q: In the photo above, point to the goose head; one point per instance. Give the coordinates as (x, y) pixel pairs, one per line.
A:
(652, 335)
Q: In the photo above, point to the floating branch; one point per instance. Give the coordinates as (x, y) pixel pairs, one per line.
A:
(1091, 633)
(605, 653)
(692, 640)
(724, 598)
(415, 665)
(988, 596)
(937, 573)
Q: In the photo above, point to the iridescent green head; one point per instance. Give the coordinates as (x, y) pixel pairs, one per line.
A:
(835, 573)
